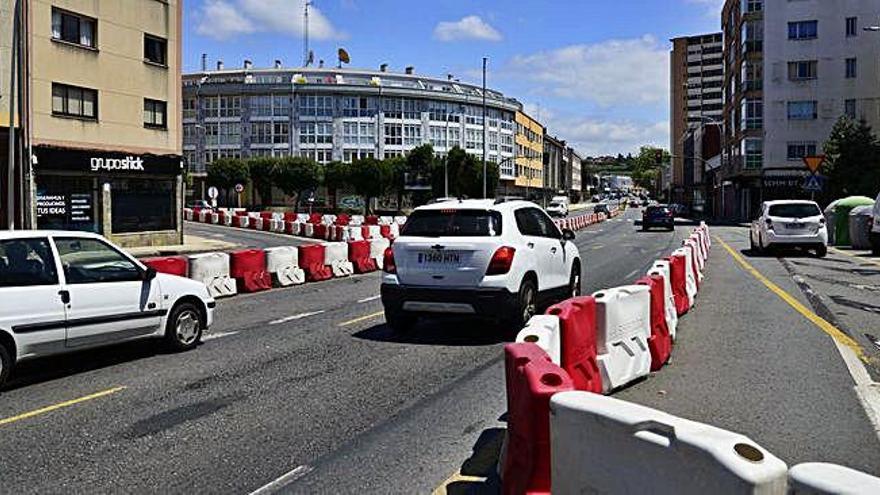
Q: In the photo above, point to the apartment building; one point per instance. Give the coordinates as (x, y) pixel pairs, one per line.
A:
(529, 161)
(574, 173)
(554, 173)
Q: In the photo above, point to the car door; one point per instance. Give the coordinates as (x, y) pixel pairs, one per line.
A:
(547, 252)
(31, 304)
(558, 255)
(108, 298)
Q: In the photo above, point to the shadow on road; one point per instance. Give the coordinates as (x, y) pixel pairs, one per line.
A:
(449, 332)
(778, 253)
(480, 468)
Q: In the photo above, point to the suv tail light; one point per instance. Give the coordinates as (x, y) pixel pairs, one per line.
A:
(388, 265)
(501, 261)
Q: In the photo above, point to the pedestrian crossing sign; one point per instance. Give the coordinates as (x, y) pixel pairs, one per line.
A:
(813, 183)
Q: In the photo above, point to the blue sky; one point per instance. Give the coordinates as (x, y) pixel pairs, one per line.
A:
(596, 72)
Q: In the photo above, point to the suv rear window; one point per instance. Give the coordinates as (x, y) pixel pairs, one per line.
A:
(653, 210)
(453, 223)
(796, 210)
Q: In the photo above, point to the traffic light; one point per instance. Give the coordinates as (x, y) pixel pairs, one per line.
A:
(658, 156)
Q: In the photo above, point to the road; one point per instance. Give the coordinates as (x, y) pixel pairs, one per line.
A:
(306, 390)
(242, 237)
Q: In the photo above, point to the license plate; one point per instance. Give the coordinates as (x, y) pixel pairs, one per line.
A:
(794, 226)
(439, 258)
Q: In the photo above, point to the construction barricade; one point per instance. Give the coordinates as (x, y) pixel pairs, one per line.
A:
(371, 220)
(696, 259)
(248, 267)
(359, 256)
(820, 478)
(606, 445)
(319, 231)
(282, 263)
(531, 380)
(311, 260)
(371, 231)
(660, 342)
(578, 351)
(212, 269)
(690, 277)
(377, 250)
(623, 325)
(308, 230)
(241, 221)
(356, 220)
(678, 279)
(204, 216)
(661, 268)
(336, 257)
(172, 265)
(545, 332)
(187, 214)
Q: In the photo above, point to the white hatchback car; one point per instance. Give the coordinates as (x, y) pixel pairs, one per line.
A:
(789, 223)
(498, 260)
(65, 291)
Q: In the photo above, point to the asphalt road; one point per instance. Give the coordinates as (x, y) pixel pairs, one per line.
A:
(242, 237)
(308, 389)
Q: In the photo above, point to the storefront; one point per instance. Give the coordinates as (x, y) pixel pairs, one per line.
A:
(136, 200)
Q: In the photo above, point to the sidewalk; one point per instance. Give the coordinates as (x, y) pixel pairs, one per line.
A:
(191, 244)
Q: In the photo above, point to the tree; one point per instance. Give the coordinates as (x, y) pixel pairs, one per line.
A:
(263, 170)
(852, 154)
(296, 175)
(420, 165)
(370, 179)
(465, 175)
(397, 168)
(645, 167)
(225, 173)
(336, 175)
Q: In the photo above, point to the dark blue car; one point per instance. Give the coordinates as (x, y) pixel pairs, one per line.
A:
(658, 216)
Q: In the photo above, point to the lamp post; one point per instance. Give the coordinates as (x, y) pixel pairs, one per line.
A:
(485, 60)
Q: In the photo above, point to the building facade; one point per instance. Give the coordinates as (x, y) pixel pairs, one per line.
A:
(554, 172)
(529, 171)
(574, 172)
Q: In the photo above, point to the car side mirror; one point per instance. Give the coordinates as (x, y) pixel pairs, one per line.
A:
(149, 274)
(567, 235)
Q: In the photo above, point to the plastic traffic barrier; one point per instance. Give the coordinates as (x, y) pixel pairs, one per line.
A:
(696, 258)
(605, 445)
(248, 267)
(204, 216)
(371, 231)
(241, 221)
(531, 380)
(690, 275)
(289, 216)
(395, 231)
(371, 220)
(172, 265)
(660, 342)
(661, 268)
(356, 220)
(385, 230)
(623, 325)
(359, 256)
(820, 478)
(278, 225)
(577, 322)
(678, 279)
(545, 332)
(187, 214)
(336, 257)
(386, 220)
(212, 269)
(319, 231)
(308, 230)
(283, 264)
(311, 260)
(354, 233)
(342, 219)
(377, 250)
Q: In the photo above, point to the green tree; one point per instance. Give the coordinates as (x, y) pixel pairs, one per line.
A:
(645, 167)
(225, 173)
(465, 175)
(264, 170)
(420, 164)
(852, 155)
(297, 175)
(370, 179)
(397, 168)
(336, 175)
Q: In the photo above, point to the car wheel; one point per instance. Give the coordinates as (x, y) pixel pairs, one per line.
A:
(526, 305)
(183, 330)
(752, 248)
(822, 251)
(574, 283)
(5, 364)
(399, 321)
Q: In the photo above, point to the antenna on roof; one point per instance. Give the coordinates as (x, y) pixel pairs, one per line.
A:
(307, 59)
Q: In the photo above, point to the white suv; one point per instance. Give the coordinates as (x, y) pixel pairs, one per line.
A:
(498, 260)
(65, 291)
(791, 223)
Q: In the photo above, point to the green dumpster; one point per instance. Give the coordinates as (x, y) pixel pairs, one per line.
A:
(837, 215)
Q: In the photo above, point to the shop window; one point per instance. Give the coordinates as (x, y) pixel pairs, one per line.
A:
(73, 101)
(67, 203)
(155, 114)
(142, 205)
(155, 50)
(74, 28)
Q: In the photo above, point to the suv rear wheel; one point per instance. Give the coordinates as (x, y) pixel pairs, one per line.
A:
(526, 307)
(5, 364)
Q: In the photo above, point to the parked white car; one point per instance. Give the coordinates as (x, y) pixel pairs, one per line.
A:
(66, 291)
(790, 223)
(874, 235)
(496, 260)
(557, 209)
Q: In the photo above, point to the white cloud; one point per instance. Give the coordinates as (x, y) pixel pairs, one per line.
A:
(470, 27)
(712, 7)
(223, 19)
(630, 71)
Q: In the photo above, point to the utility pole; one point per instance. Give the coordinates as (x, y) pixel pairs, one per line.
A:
(10, 166)
(485, 193)
(306, 35)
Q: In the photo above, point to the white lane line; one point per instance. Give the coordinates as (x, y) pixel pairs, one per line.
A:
(368, 299)
(212, 336)
(295, 317)
(867, 390)
(631, 274)
(283, 481)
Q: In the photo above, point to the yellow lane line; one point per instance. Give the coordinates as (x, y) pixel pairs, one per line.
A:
(60, 405)
(832, 331)
(362, 318)
(457, 477)
(600, 246)
(838, 251)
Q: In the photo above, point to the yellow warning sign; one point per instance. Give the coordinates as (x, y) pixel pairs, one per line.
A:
(814, 162)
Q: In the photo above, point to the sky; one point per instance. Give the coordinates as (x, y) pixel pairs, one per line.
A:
(594, 72)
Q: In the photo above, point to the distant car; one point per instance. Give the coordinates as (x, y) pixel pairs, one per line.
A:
(557, 209)
(646, 202)
(658, 216)
(200, 204)
(441, 200)
(874, 235)
(791, 223)
(65, 291)
(596, 198)
(602, 208)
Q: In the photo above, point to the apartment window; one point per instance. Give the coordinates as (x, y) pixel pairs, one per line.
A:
(280, 106)
(155, 114)
(155, 50)
(850, 68)
(316, 106)
(393, 134)
(412, 135)
(849, 108)
(281, 132)
(74, 28)
(802, 110)
(803, 30)
(753, 152)
(316, 133)
(799, 71)
(752, 5)
(73, 101)
(261, 106)
(190, 108)
(798, 150)
(753, 113)
(852, 26)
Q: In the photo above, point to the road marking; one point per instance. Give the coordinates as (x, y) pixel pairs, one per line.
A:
(212, 336)
(368, 299)
(632, 274)
(600, 246)
(283, 481)
(60, 405)
(457, 477)
(295, 317)
(362, 318)
(838, 251)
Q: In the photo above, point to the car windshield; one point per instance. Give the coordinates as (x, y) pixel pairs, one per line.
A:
(794, 210)
(656, 210)
(453, 223)
(555, 205)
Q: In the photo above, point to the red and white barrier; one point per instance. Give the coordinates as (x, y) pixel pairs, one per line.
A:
(336, 257)
(690, 276)
(283, 264)
(311, 260)
(172, 265)
(545, 332)
(248, 267)
(212, 269)
(578, 349)
(377, 250)
(359, 256)
(188, 214)
(623, 325)
(660, 342)
(661, 268)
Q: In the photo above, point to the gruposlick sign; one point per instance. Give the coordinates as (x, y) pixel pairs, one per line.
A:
(105, 163)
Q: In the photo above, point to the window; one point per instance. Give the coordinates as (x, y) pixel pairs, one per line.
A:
(852, 26)
(534, 222)
(798, 150)
(261, 132)
(155, 50)
(155, 113)
(850, 68)
(145, 205)
(453, 223)
(280, 132)
(26, 262)
(754, 152)
(802, 110)
(752, 113)
(89, 261)
(794, 210)
(849, 108)
(752, 5)
(316, 106)
(412, 135)
(190, 108)
(261, 106)
(798, 71)
(393, 134)
(74, 28)
(73, 101)
(804, 30)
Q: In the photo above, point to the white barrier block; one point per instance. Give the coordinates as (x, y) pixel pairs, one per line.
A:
(691, 246)
(820, 478)
(187, 214)
(297, 228)
(690, 283)
(356, 220)
(400, 219)
(661, 268)
(308, 229)
(601, 444)
(386, 220)
(214, 218)
(698, 246)
(258, 223)
(375, 232)
(283, 263)
(302, 217)
(212, 269)
(377, 250)
(336, 257)
(204, 216)
(623, 325)
(245, 221)
(328, 219)
(395, 230)
(278, 225)
(544, 331)
(354, 233)
(227, 219)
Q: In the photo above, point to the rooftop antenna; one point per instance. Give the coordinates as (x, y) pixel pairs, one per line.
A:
(204, 62)
(306, 58)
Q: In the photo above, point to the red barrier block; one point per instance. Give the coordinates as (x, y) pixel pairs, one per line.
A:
(315, 218)
(289, 216)
(311, 260)
(365, 231)
(252, 224)
(221, 217)
(359, 255)
(240, 213)
(266, 215)
(577, 321)
(288, 226)
(660, 341)
(678, 279)
(236, 220)
(371, 220)
(385, 231)
(320, 231)
(172, 265)
(343, 219)
(531, 380)
(248, 267)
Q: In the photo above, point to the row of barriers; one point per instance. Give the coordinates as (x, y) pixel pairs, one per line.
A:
(584, 220)
(564, 434)
(254, 270)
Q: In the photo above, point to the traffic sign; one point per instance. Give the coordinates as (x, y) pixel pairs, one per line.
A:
(239, 188)
(213, 192)
(814, 162)
(813, 183)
